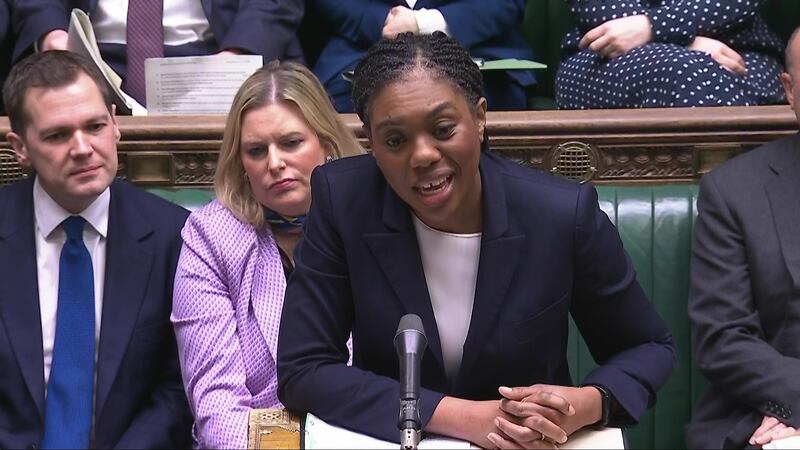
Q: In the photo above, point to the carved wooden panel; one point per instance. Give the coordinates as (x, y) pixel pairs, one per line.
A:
(604, 146)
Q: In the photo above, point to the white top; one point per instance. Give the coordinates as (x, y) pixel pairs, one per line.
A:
(184, 22)
(429, 20)
(50, 238)
(450, 262)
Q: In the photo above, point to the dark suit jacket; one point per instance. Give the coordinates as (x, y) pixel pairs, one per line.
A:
(140, 402)
(486, 28)
(744, 300)
(5, 47)
(546, 251)
(261, 27)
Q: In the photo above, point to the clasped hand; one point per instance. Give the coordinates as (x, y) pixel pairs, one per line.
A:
(541, 416)
(617, 37)
(399, 20)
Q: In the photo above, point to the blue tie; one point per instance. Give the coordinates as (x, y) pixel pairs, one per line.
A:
(68, 408)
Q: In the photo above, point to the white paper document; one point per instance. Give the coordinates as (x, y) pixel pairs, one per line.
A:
(81, 40)
(789, 442)
(321, 435)
(196, 84)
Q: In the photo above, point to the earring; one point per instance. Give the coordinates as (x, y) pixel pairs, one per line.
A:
(328, 159)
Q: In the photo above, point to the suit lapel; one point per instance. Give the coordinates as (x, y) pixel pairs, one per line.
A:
(783, 193)
(397, 254)
(207, 10)
(500, 252)
(129, 256)
(19, 295)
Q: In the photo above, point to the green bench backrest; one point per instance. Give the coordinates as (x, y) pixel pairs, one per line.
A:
(655, 224)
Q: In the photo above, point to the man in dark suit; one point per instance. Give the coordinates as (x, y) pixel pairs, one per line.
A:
(87, 350)
(743, 301)
(486, 29)
(191, 28)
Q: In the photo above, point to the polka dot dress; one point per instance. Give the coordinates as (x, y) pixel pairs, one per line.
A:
(665, 72)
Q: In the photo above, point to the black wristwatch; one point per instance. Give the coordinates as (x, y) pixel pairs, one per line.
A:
(606, 405)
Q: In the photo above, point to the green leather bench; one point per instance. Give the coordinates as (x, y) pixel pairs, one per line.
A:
(655, 223)
(546, 22)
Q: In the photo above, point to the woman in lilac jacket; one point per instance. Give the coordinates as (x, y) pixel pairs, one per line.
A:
(236, 253)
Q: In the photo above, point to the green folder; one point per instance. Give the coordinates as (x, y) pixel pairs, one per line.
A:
(497, 64)
(509, 64)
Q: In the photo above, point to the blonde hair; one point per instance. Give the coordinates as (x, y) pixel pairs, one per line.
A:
(275, 83)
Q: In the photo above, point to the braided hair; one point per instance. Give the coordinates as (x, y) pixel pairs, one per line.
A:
(390, 60)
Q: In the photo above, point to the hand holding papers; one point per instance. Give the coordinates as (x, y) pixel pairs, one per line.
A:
(183, 85)
(81, 40)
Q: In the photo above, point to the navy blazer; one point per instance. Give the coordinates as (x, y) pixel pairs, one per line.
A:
(139, 398)
(547, 251)
(261, 27)
(488, 29)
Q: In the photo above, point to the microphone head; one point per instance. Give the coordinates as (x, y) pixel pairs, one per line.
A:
(410, 331)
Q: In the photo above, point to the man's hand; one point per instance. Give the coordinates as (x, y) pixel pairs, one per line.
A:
(769, 430)
(399, 20)
(725, 56)
(618, 36)
(54, 40)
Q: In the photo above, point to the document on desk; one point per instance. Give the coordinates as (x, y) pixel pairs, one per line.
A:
(321, 435)
(196, 84)
(789, 442)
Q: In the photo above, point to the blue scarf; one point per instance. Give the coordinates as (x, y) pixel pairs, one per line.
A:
(281, 222)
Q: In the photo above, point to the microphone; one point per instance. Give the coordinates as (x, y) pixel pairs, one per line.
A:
(410, 343)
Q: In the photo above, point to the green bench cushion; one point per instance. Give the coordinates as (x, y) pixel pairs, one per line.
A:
(656, 225)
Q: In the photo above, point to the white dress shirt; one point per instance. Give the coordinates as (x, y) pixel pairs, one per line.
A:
(450, 262)
(50, 238)
(184, 22)
(429, 20)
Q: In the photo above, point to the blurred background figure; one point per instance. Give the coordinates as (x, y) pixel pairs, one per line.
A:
(129, 31)
(655, 53)
(486, 29)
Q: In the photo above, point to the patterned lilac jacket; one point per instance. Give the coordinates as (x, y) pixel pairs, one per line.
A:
(228, 298)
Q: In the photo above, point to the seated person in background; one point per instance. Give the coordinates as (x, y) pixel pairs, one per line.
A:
(237, 250)
(486, 29)
(491, 255)
(88, 355)
(744, 305)
(130, 31)
(658, 53)
(5, 46)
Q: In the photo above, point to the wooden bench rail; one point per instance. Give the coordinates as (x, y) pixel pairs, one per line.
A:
(604, 146)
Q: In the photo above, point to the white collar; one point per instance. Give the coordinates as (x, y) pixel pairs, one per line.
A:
(50, 214)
